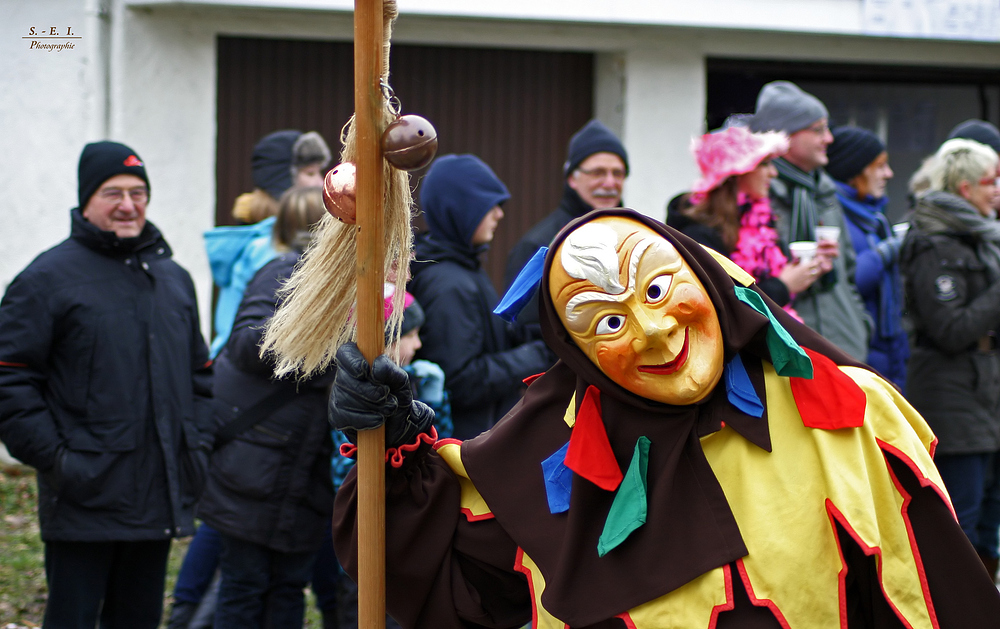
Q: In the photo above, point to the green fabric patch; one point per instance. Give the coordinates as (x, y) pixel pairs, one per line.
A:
(787, 357)
(628, 511)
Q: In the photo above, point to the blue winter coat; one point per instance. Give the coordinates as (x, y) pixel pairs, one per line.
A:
(878, 282)
(235, 254)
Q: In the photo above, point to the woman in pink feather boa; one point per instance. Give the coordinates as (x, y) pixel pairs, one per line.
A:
(728, 210)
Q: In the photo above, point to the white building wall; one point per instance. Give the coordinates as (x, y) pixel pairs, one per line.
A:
(163, 105)
(51, 104)
(664, 109)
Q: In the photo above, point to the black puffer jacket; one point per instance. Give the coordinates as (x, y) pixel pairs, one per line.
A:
(483, 368)
(954, 376)
(271, 485)
(105, 386)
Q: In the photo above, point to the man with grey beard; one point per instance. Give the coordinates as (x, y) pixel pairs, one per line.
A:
(595, 170)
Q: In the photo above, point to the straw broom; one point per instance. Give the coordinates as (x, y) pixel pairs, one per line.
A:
(318, 311)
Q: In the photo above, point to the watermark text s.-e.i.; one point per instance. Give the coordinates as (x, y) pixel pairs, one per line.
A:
(36, 35)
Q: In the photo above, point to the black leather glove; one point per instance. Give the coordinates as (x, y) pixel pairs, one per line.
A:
(365, 397)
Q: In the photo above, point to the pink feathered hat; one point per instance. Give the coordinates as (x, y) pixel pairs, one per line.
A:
(733, 151)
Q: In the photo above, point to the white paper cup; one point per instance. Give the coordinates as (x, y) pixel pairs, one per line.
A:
(804, 250)
(827, 232)
(900, 229)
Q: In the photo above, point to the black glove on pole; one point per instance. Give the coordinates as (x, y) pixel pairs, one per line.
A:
(365, 397)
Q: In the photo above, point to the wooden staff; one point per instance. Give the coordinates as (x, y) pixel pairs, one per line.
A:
(369, 104)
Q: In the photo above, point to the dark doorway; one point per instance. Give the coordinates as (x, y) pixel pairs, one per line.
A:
(911, 108)
(516, 109)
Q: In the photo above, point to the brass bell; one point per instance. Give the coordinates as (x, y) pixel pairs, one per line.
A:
(409, 142)
(340, 192)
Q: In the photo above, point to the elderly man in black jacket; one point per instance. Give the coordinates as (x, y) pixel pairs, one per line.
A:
(105, 388)
(595, 171)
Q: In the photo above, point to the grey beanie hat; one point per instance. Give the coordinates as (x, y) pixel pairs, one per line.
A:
(783, 106)
(310, 148)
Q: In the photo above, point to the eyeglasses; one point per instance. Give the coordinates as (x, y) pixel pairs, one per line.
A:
(602, 173)
(819, 129)
(990, 181)
(117, 195)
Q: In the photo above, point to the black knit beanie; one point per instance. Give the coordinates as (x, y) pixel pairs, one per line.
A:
(978, 131)
(101, 161)
(594, 137)
(271, 162)
(852, 150)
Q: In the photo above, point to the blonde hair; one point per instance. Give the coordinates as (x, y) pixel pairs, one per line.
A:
(920, 181)
(253, 207)
(961, 160)
(299, 209)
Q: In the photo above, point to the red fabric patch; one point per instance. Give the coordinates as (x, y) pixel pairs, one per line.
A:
(831, 400)
(527, 381)
(589, 453)
(132, 160)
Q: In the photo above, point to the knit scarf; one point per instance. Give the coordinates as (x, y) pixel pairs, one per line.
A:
(803, 188)
(869, 216)
(945, 213)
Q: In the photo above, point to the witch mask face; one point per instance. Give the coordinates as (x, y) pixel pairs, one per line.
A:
(637, 310)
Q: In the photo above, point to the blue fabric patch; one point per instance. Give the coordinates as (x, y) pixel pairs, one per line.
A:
(558, 480)
(523, 287)
(740, 390)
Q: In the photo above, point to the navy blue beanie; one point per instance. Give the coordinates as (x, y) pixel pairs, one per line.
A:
(271, 162)
(978, 131)
(853, 148)
(455, 195)
(592, 138)
(101, 161)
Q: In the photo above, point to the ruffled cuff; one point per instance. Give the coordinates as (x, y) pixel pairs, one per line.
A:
(396, 456)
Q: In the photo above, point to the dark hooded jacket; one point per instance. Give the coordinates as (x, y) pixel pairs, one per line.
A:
(105, 386)
(270, 485)
(470, 564)
(954, 303)
(483, 365)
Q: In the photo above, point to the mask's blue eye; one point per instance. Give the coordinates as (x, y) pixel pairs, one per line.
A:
(658, 288)
(610, 324)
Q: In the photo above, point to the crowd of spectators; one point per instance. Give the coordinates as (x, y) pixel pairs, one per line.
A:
(136, 426)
